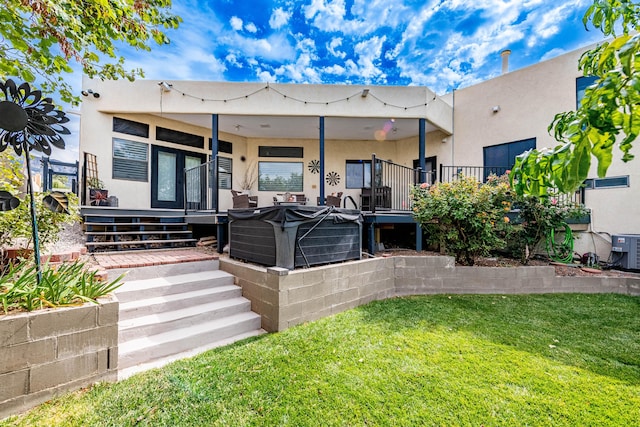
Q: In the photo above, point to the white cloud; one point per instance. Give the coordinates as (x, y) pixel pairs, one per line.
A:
(279, 18)
(333, 46)
(232, 59)
(251, 27)
(368, 52)
(265, 76)
(335, 70)
(236, 23)
(326, 15)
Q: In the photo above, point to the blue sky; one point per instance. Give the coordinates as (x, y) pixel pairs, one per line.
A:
(442, 44)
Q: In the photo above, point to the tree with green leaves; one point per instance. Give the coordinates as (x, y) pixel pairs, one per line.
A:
(40, 38)
(608, 115)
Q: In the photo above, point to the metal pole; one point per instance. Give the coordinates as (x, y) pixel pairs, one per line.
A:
(34, 220)
(322, 161)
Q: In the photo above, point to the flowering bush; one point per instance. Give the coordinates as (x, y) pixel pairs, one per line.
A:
(465, 214)
(470, 219)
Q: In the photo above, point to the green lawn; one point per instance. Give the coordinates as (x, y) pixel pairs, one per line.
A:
(571, 360)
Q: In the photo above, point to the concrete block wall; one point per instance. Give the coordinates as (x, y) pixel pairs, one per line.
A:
(286, 298)
(45, 353)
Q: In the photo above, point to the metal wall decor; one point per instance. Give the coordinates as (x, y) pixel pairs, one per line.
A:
(333, 178)
(314, 166)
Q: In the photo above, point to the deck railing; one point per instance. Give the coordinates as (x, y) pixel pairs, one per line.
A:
(390, 186)
(481, 173)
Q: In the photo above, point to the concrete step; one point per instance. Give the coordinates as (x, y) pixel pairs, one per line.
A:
(157, 323)
(160, 362)
(166, 303)
(134, 290)
(164, 270)
(153, 347)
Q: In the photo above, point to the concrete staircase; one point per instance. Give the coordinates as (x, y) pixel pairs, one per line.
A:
(175, 311)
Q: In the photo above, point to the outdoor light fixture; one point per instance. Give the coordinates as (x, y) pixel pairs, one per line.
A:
(365, 92)
(166, 87)
(495, 108)
(90, 92)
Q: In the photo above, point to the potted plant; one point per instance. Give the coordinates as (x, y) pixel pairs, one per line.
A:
(98, 196)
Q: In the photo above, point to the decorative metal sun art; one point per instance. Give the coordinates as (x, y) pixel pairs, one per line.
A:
(314, 166)
(333, 178)
(28, 121)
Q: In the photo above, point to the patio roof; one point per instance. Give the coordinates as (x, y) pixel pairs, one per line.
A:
(278, 127)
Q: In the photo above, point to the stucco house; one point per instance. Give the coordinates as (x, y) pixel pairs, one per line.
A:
(318, 140)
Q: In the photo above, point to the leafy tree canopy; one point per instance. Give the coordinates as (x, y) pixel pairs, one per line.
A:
(608, 115)
(39, 38)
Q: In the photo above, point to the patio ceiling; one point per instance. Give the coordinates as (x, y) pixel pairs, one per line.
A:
(280, 127)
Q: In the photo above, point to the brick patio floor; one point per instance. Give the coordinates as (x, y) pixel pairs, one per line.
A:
(150, 258)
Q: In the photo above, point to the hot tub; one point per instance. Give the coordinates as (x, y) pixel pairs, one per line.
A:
(292, 236)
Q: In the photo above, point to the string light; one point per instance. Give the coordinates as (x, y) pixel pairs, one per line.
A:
(302, 101)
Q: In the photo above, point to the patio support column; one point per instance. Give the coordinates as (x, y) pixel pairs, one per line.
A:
(422, 152)
(321, 161)
(422, 126)
(214, 157)
(221, 225)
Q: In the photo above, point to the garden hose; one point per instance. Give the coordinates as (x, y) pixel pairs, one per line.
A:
(560, 252)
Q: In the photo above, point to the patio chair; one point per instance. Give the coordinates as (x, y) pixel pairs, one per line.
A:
(241, 200)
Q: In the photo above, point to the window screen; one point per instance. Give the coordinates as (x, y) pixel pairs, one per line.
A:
(177, 137)
(223, 146)
(130, 160)
(291, 152)
(225, 168)
(130, 127)
(280, 176)
(609, 182)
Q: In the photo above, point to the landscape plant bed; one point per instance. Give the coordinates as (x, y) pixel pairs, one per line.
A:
(561, 360)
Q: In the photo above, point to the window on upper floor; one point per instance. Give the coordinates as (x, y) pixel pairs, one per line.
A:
(582, 83)
(500, 158)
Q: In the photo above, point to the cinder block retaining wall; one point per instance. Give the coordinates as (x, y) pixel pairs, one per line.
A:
(286, 298)
(45, 353)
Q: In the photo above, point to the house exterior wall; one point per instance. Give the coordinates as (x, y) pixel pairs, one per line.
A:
(528, 99)
(144, 105)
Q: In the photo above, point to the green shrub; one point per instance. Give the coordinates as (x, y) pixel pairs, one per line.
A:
(63, 285)
(466, 215)
(15, 225)
(470, 219)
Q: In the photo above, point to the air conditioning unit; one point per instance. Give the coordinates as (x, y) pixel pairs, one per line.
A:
(625, 251)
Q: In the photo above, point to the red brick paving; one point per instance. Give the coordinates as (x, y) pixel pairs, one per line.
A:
(150, 258)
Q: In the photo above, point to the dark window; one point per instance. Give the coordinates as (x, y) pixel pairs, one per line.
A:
(430, 169)
(290, 152)
(223, 146)
(582, 83)
(280, 176)
(225, 169)
(500, 158)
(614, 181)
(130, 127)
(358, 174)
(177, 137)
(130, 160)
